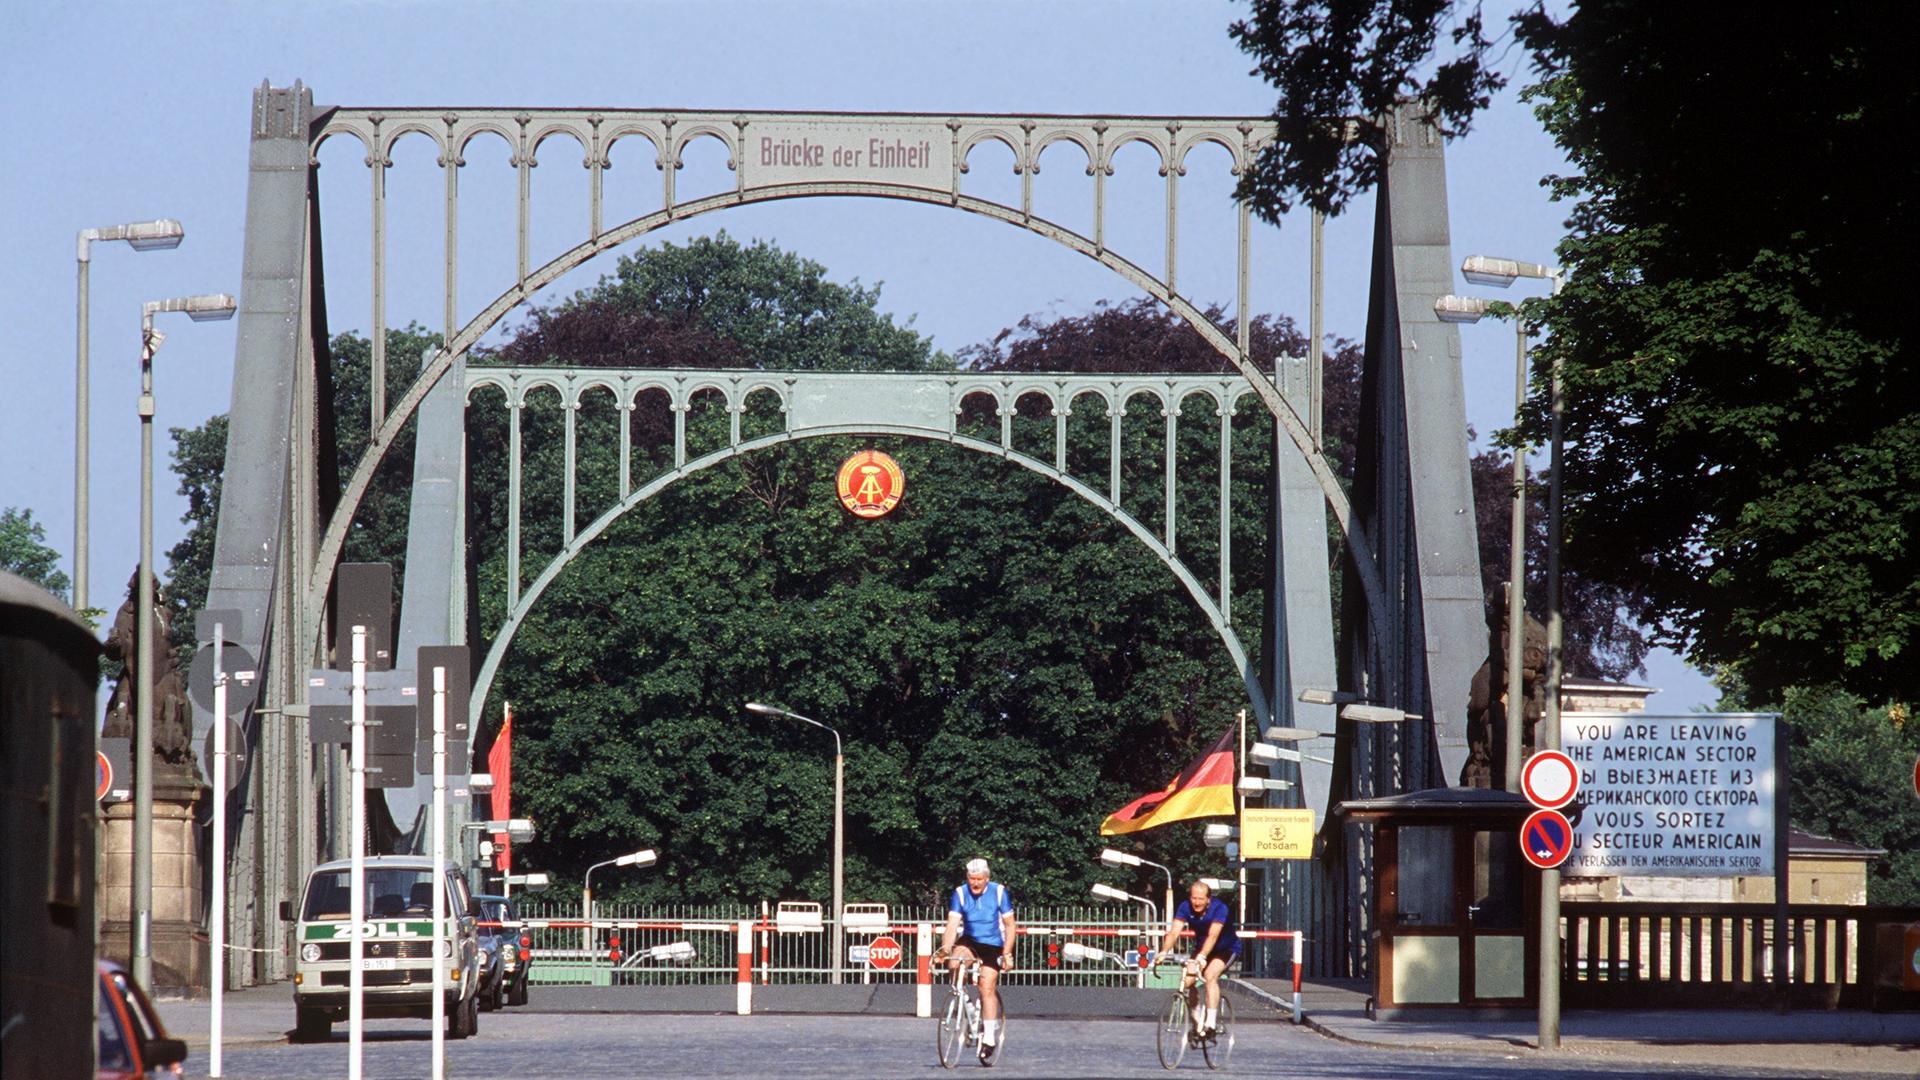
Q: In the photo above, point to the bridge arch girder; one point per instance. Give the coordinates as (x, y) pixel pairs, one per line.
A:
(1363, 561)
(523, 606)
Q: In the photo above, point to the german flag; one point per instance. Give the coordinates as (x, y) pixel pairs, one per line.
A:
(1203, 789)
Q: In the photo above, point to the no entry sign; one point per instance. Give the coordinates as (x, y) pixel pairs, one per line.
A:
(884, 953)
(1546, 838)
(1549, 780)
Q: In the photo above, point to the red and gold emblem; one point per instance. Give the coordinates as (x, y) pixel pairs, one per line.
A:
(871, 484)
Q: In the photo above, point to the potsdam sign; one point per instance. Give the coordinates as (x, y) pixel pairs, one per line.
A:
(1672, 796)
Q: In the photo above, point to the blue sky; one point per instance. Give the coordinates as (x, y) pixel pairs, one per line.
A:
(128, 112)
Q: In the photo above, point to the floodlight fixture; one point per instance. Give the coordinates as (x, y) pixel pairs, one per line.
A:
(1376, 714)
(1460, 309)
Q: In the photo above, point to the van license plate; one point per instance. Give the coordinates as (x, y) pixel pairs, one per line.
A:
(379, 963)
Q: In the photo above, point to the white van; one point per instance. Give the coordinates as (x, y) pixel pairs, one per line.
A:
(396, 943)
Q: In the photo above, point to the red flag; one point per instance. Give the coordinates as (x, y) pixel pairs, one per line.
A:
(1203, 789)
(500, 764)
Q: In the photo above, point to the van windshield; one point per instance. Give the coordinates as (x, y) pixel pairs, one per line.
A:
(391, 892)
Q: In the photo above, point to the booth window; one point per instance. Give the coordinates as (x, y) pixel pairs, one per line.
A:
(1424, 867)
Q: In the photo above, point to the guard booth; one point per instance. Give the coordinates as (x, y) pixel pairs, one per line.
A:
(1456, 907)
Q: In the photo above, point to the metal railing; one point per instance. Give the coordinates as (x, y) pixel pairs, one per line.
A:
(567, 951)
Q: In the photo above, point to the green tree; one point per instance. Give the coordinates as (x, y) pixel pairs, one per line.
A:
(24, 551)
(1741, 429)
(1851, 770)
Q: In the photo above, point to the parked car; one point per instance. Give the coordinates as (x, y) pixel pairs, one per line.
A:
(499, 923)
(133, 1045)
(397, 951)
(490, 993)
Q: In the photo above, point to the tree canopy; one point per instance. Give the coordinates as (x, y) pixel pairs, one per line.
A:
(1741, 426)
(24, 551)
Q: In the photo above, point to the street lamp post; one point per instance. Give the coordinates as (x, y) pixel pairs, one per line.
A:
(643, 857)
(200, 309)
(1483, 270)
(839, 821)
(143, 236)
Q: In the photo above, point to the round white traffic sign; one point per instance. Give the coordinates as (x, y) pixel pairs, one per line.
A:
(1550, 780)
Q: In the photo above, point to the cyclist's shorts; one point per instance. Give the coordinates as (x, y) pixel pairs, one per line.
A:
(986, 954)
(1232, 959)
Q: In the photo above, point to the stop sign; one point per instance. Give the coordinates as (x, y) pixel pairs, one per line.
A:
(884, 953)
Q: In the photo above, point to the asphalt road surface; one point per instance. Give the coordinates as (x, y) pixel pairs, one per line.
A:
(577, 1046)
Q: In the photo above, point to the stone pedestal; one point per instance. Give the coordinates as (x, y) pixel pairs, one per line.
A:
(180, 963)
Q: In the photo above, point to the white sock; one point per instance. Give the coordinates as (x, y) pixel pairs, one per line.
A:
(990, 1032)
(1206, 1018)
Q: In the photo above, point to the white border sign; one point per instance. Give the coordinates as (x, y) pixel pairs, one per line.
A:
(1673, 796)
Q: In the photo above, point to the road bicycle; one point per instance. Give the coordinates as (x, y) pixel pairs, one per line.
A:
(1179, 1028)
(961, 1021)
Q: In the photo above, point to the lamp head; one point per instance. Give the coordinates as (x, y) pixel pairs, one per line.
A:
(1108, 892)
(155, 235)
(1459, 309)
(638, 858)
(758, 709)
(1113, 857)
(1484, 270)
(1376, 714)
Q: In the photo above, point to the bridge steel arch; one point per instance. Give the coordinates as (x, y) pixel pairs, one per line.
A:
(1412, 641)
(921, 396)
(1364, 563)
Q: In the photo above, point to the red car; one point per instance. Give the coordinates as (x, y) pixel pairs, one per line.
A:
(133, 1045)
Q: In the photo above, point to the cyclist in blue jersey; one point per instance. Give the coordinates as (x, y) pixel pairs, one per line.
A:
(980, 915)
(1215, 945)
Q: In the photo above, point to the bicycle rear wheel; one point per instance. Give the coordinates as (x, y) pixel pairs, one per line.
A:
(953, 1027)
(1171, 1033)
(1218, 1046)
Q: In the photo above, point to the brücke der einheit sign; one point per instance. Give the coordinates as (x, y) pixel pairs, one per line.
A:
(1672, 796)
(885, 152)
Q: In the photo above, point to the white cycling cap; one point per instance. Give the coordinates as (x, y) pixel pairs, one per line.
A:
(976, 866)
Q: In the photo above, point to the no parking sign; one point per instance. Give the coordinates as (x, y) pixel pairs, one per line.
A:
(1546, 838)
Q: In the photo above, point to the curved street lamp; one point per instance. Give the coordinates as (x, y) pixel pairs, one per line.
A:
(141, 236)
(839, 823)
(204, 308)
(642, 858)
(1486, 270)
(1115, 857)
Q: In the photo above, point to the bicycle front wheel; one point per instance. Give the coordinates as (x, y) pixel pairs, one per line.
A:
(1172, 1031)
(1218, 1046)
(953, 1027)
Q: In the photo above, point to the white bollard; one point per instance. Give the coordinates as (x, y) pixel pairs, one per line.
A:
(923, 970)
(743, 981)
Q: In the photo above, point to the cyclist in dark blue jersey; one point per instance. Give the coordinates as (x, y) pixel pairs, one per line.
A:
(1215, 945)
(980, 916)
